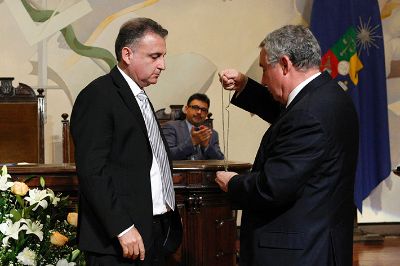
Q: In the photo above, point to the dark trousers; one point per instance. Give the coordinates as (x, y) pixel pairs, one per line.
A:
(154, 256)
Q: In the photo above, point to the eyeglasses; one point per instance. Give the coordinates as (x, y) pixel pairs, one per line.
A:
(198, 108)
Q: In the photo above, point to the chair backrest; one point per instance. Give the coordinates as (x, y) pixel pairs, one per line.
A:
(178, 114)
(175, 114)
(21, 123)
(67, 142)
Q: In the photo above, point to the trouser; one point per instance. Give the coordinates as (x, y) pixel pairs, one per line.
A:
(154, 256)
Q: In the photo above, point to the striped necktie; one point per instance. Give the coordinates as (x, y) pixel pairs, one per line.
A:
(158, 148)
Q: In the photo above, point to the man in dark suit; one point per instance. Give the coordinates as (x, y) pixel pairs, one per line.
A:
(191, 139)
(297, 200)
(127, 215)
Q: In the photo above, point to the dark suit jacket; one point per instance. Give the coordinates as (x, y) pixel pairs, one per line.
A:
(298, 199)
(180, 143)
(113, 160)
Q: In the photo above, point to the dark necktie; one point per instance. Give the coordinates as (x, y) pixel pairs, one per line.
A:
(158, 148)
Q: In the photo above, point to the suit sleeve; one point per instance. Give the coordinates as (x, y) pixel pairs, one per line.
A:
(180, 150)
(291, 160)
(92, 131)
(213, 150)
(256, 99)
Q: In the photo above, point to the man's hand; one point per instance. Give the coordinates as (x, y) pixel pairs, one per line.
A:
(232, 79)
(201, 136)
(132, 244)
(223, 179)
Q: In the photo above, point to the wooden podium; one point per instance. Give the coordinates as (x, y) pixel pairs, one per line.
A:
(209, 223)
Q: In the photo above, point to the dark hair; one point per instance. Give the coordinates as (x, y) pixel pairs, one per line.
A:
(199, 96)
(133, 30)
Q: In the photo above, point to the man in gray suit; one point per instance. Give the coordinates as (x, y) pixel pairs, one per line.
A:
(191, 139)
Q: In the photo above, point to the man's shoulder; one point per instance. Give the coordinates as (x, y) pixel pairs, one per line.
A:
(214, 131)
(174, 123)
(98, 86)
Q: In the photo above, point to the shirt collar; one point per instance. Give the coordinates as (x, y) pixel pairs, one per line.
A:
(189, 125)
(132, 84)
(299, 87)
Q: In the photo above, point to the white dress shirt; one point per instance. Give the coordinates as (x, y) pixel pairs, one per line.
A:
(299, 87)
(159, 205)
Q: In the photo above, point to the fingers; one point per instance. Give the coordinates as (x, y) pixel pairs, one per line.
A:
(138, 251)
(125, 252)
(227, 74)
(142, 251)
(230, 79)
(223, 179)
(132, 245)
(205, 137)
(203, 133)
(221, 184)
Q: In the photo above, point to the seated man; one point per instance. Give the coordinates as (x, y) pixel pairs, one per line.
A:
(190, 139)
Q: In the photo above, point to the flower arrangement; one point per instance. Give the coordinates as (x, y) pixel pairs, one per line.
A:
(35, 226)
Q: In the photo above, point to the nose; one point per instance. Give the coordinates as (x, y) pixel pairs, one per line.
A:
(161, 64)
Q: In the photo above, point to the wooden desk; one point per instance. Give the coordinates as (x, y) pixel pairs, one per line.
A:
(209, 223)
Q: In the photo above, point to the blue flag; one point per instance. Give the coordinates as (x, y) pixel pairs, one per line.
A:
(351, 39)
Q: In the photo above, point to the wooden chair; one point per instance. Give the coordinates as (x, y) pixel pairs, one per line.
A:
(67, 143)
(21, 123)
(177, 114)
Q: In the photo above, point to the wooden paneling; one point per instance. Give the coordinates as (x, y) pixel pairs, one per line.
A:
(21, 123)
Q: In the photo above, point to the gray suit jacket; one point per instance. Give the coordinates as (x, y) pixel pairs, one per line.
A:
(179, 141)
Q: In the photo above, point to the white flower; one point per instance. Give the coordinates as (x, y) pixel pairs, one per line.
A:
(10, 229)
(27, 257)
(64, 262)
(4, 184)
(37, 196)
(53, 199)
(33, 228)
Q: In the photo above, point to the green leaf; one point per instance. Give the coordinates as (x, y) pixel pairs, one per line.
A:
(75, 254)
(16, 215)
(42, 182)
(30, 208)
(29, 178)
(20, 201)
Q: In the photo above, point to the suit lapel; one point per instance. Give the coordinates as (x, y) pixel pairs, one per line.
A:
(184, 129)
(317, 82)
(128, 98)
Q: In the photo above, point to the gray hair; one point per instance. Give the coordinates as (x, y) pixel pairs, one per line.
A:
(295, 41)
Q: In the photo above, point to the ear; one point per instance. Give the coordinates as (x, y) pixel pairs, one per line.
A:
(285, 64)
(126, 55)
(185, 109)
